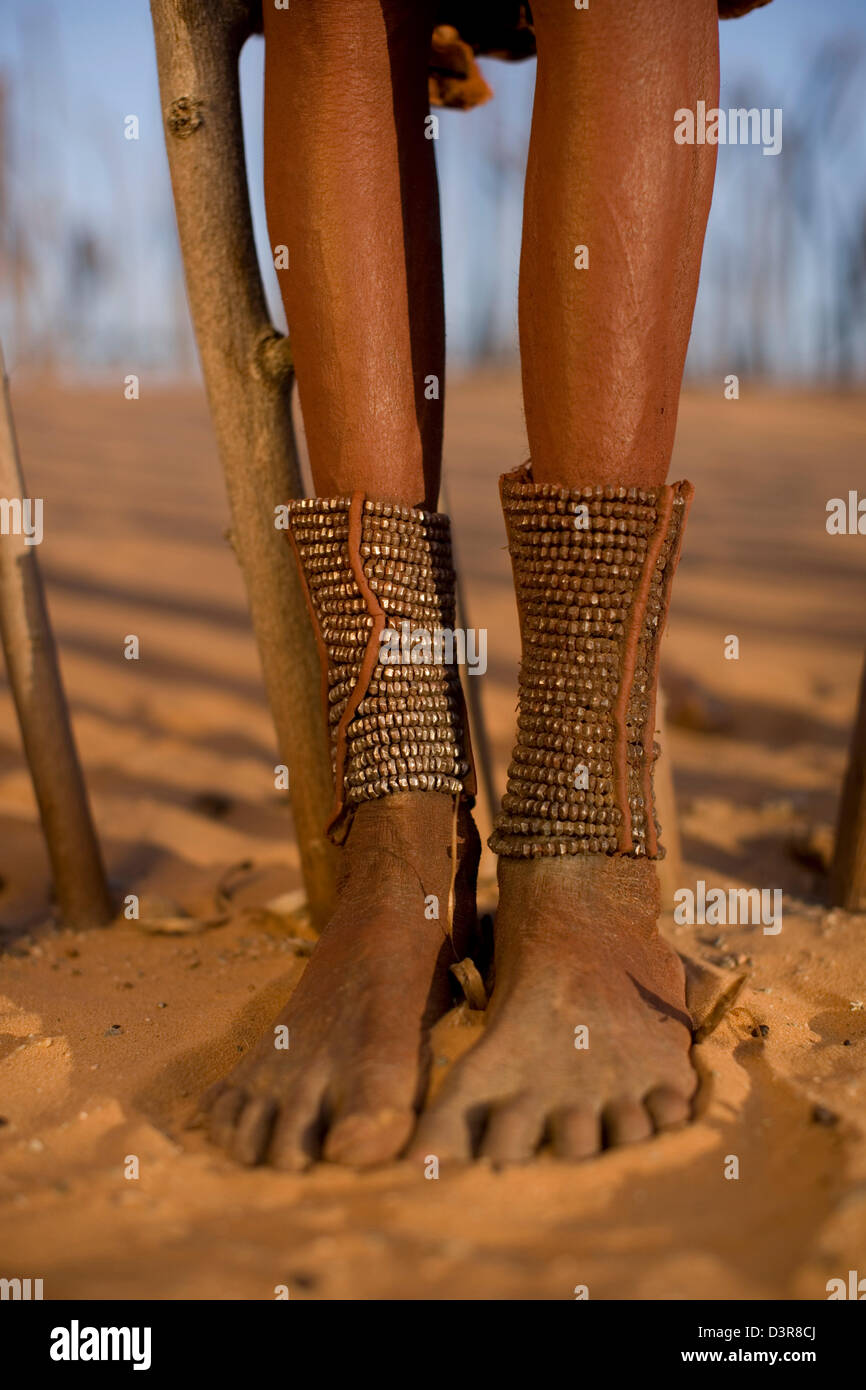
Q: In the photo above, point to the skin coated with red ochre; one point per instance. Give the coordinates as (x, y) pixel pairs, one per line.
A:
(351, 190)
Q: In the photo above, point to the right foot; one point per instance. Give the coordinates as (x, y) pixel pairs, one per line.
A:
(350, 1083)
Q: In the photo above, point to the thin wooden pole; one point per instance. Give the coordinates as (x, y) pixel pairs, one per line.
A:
(248, 373)
(37, 689)
(479, 736)
(671, 867)
(848, 870)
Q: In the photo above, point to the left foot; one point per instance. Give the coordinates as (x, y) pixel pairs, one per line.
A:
(577, 947)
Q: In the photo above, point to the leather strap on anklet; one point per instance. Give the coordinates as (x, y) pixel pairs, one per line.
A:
(592, 570)
(396, 724)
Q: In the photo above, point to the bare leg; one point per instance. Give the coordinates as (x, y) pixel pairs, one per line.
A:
(603, 348)
(351, 192)
(603, 351)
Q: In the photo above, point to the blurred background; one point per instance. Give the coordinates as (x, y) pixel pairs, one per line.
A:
(92, 278)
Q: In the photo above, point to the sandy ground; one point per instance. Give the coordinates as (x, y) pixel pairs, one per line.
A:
(179, 755)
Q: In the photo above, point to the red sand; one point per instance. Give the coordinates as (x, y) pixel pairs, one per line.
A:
(134, 519)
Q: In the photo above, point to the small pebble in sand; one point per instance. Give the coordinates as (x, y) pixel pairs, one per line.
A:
(847, 1042)
(113, 1031)
(822, 1116)
(162, 1004)
(762, 1031)
(856, 1006)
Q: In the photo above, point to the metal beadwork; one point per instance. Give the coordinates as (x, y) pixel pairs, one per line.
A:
(592, 570)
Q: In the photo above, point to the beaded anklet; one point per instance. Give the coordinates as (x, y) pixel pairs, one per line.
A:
(367, 567)
(592, 570)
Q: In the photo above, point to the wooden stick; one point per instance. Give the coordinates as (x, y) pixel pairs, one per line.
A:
(248, 374)
(480, 739)
(37, 689)
(848, 870)
(671, 867)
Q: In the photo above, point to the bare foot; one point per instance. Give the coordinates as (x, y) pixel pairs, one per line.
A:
(577, 948)
(349, 1084)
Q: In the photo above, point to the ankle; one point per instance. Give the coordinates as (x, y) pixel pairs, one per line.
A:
(399, 856)
(586, 886)
(411, 824)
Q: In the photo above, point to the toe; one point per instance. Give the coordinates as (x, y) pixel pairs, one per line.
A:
(448, 1130)
(625, 1122)
(367, 1137)
(373, 1114)
(575, 1132)
(223, 1114)
(296, 1139)
(514, 1131)
(211, 1095)
(253, 1129)
(667, 1107)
